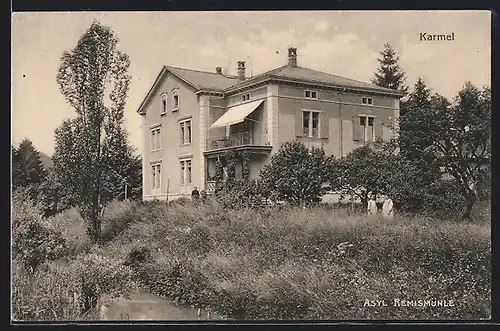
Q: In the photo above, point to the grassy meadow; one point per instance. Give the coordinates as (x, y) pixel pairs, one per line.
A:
(272, 263)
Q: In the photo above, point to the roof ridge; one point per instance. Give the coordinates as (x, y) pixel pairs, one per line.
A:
(202, 71)
(343, 77)
(271, 71)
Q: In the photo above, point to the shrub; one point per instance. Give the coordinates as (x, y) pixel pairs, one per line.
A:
(197, 240)
(97, 275)
(23, 207)
(73, 229)
(52, 195)
(33, 240)
(297, 174)
(138, 255)
(238, 194)
(118, 215)
(33, 243)
(181, 201)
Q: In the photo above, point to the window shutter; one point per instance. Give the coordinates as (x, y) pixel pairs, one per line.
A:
(356, 128)
(323, 125)
(299, 132)
(379, 127)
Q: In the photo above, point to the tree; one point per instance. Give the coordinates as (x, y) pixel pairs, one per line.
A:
(52, 195)
(390, 74)
(365, 170)
(417, 129)
(409, 186)
(462, 140)
(27, 167)
(298, 175)
(94, 81)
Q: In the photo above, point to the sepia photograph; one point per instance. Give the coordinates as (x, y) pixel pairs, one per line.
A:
(250, 166)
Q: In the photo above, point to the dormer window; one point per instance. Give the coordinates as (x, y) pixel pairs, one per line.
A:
(311, 94)
(163, 104)
(246, 97)
(367, 101)
(175, 96)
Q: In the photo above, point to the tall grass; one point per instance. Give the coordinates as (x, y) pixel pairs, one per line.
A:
(309, 264)
(272, 263)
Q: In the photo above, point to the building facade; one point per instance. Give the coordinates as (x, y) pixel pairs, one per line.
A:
(190, 117)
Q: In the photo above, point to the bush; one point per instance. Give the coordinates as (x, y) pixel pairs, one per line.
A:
(137, 256)
(23, 208)
(73, 229)
(97, 275)
(238, 194)
(33, 240)
(52, 195)
(33, 243)
(297, 174)
(117, 217)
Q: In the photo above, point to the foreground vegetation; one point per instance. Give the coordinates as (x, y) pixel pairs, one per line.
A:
(282, 263)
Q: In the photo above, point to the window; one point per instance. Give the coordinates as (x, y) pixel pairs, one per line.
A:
(156, 176)
(367, 131)
(175, 95)
(155, 139)
(310, 123)
(163, 104)
(185, 132)
(246, 97)
(315, 119)
(367, 101)
(311, 94)
(306, 121)
(186, 172)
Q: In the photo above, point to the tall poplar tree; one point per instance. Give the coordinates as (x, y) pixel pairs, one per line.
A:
(93, 79)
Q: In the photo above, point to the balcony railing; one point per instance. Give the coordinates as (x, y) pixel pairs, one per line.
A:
(238, 139)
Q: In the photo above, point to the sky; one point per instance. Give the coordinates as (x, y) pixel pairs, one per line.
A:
(345, 43)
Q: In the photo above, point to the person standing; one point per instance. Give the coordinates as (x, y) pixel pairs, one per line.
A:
(372, 205)
(387, 208)
(195, 195)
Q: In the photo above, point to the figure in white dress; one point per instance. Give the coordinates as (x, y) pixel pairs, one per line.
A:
(387, 208)
(372, 205)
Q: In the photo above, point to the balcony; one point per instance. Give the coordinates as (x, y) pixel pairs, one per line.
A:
(247, 138)
(256, 143)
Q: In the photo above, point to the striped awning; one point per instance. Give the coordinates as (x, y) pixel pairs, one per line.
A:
(236, 114)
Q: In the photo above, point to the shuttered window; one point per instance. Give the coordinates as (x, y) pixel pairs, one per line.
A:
(366, 128)
(310, 124)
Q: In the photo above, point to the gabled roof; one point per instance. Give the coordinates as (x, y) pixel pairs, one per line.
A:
(203, 79)
(199, 80)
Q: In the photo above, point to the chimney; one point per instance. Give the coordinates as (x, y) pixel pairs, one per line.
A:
(241, 70)
(292, 56)
(218, 70)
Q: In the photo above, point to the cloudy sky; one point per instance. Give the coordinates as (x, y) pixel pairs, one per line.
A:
(345, 43)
